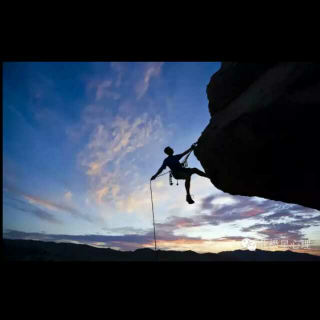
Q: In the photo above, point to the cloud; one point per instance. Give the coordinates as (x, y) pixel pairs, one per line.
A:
(36, 200)
(43, 215)
(112, 141)
(68, 195)
(133, 239)
(277, 220)
(125, 242)
(48, 118)
(152, 70)
(128, 241)
(17, 112)
(117, 141)
(105, 157)
(104, 90)
(214, 201)
(138, 200)
(231, 239)
(57, 206)
(124, 230)
(119, 68)
(101, 88)
(38, 213)
(173, 223)
(50, 205)
(223, 211)
(287, 231)
(92, 116)
(276, 216)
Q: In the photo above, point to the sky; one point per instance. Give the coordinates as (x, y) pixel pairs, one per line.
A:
(81, 141)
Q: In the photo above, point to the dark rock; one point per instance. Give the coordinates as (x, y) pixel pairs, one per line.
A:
(263, 136)
(231, 80)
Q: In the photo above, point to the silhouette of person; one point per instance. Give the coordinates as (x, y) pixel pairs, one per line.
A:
(178, 171)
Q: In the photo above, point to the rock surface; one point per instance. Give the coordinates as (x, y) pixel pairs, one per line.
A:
(263, 136)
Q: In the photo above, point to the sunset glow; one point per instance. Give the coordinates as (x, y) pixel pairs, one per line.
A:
(82, 140)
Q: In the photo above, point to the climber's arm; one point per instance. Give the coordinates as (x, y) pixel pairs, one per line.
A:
(159, 171)
(185, 153)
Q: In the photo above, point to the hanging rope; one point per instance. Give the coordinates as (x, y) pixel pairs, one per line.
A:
(154, 226)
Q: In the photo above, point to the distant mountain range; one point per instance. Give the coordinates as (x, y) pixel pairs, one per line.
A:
(30, 250)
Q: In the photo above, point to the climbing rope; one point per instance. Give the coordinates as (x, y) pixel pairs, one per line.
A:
(185, 161)
(154, 225)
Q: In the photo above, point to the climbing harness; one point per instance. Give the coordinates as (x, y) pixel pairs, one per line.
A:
(185, 165)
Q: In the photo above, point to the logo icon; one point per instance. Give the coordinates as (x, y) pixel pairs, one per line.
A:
(249, 244)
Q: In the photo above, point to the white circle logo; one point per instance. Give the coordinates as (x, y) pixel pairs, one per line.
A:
(252, 246)
(245, 242)
(249, 244)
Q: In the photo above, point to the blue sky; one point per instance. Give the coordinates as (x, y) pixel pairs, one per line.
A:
(81, 141)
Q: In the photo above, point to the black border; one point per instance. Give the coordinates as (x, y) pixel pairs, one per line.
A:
(236, 277)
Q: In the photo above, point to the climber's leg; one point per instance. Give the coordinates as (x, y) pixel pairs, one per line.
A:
(189, 199)
(198, 172)
(187, 184)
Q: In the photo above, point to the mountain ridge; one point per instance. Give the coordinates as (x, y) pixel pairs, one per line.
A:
(33, 250)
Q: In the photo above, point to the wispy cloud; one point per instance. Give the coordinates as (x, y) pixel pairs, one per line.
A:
(112, 157)
(119, 68)
(91, 117)
(33, 210)
(104, 90)
(152, 70)
(287, 231)
(104, 158)
(290, 230)
(276, 220)
(68, 195)
(224, 211)
(49, 205)
(131, 241)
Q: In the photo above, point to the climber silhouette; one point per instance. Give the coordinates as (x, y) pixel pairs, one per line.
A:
(178, 171)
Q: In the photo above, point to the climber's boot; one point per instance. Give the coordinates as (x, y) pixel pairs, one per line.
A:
(189, 199)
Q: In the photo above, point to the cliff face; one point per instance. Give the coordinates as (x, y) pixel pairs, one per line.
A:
(263, 138)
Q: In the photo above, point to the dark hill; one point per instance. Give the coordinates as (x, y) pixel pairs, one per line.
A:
(29, 250)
